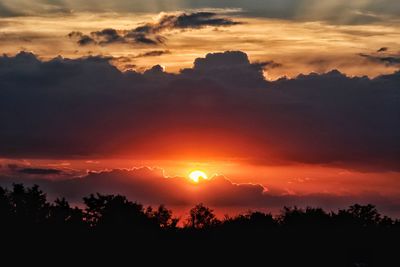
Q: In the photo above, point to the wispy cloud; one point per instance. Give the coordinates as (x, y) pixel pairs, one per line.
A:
(149, 33)
(383, 57)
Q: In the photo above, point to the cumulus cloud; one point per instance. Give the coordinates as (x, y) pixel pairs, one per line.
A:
(221, 107)
(149, 33)
(150, 186)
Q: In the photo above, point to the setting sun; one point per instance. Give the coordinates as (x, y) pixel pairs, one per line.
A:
(195, 176)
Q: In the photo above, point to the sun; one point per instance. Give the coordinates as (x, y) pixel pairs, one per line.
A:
(195, 176)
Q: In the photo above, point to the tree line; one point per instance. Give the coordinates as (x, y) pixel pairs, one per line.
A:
(358, 234)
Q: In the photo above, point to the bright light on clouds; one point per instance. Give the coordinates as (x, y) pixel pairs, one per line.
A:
(298, 47)
(198, 92)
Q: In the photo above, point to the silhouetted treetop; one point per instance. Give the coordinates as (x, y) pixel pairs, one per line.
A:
(356, 236)
(162, 216)
(28, 207)
(114, 211)
(201, 217)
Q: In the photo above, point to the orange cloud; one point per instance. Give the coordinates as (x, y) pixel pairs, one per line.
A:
(151, 186)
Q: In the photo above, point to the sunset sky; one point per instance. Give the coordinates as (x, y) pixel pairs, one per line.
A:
(278, 102)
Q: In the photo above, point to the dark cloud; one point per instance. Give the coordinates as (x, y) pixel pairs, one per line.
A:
(331, 11)
(37, 171)
(222, 107)
(82, 38)
(86, 40)
(149, 34)
(387, 60)
(6, 11)
(266, 65)
(232, 67)
(382, 49)
(155, 53)
(192, 21)
(150, 186)
(108, 36)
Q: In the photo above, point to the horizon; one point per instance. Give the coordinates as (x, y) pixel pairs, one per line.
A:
(240, 105)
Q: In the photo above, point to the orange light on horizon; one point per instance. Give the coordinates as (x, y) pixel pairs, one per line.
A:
(197, 175)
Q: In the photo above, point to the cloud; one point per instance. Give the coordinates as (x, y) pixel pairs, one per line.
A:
(37, 171)
(150, 186)
(83, 39)
(387, 60)
(222, 107)
(331, 11)
(25, 170)
(108, 36)
(191, 21)
(149, 33)
(154, 53)
(6, 11)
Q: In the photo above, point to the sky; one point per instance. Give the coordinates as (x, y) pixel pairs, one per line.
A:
(293, 102)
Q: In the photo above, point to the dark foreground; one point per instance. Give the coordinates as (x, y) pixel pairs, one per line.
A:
(112, 230)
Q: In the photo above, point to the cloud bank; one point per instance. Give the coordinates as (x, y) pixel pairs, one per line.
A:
(222, 107)
(151, 187)
(332, 11)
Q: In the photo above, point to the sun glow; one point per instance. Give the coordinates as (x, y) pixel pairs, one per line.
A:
(196, 176)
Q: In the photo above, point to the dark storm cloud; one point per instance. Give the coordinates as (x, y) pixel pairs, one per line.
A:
(149, 34)
(222, 107)
(150, 186)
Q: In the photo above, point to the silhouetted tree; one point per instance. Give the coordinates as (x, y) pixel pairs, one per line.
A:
(309, 217)
(201, 217)
(162, 216)
(29, 205)
(386, 222)
(107, 211)
(359, 215)
(62, 214)
(251, 220)
(357, 236)
(5, 208)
